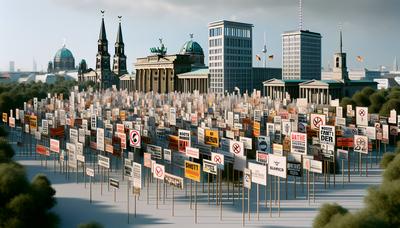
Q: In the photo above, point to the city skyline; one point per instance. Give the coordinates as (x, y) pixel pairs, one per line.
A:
(365, 33)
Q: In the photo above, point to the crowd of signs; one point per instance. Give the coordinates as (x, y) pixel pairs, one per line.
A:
(199, 132)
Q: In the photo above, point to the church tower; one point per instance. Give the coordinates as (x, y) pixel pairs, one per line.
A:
(340, 66)
(119, 63)
(102, 57)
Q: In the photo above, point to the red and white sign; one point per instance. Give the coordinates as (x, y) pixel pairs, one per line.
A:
(316, 121)
(120, 128)
(40, 149)
(236, 147)
(159, 171)
(134, 138)
(217, 158)
(192, 152)
(55, 145)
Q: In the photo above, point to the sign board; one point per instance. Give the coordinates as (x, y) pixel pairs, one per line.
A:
(209, 167)
(173, 180)
(236, 147)
(100, 139)
(40, 149)
(277, 166)
(327, 134)
(262, 157)
(247, 178)
(298, 143)
(218, 158)
(361, 144)
(258, 173)
(192, 152)
(103, 161)
(90, 172)
(362, 116)
(192, 171)
(158, 171)
(147, 160)
(167, 155)
(155, 151)
(211, 137)
(316, 166)
(134, 138)
(316, 121)
(114, 183)
(294, 169)
(137, 177)
(277, 149)
(342, 154)
(55, 145)
(247, 142)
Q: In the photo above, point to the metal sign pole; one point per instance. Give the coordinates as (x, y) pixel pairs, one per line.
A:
(279, 197)
(258, 202)
(248, 203)
(90, 189)
(157, 195)
(220, 194)
(270, 195)
(195, 203)
(173, 200)
(342, 173)
(127, 199)
(243, 201)
(308, 186)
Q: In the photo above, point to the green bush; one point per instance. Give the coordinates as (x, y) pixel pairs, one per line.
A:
(386, 159)
(90, 225)
(326, 213)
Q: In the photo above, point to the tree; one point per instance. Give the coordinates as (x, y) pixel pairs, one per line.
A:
(389, 105)
(43, 192)
(361, 99)
(12, 182)
(326, 213)
(6, 151)
(90, 225)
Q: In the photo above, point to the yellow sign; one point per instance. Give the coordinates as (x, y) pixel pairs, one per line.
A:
(33, 122)
(122, 115)
(192, 171)
(211, 137)
(256, 128)
(5, 117)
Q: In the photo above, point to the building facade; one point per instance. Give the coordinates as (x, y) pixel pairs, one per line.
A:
(230, 56)
(262, 74)
(301, 55)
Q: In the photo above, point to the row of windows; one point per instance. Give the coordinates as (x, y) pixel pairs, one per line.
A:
(215, 32)
(215, 51)
(238, 32)
(215, 57)
(237, 58)
(238, 51)
(232, 42)
(215, 42)
(216, 64)
(237, 64)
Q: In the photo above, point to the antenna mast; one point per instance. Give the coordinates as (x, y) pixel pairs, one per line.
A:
(300, 15)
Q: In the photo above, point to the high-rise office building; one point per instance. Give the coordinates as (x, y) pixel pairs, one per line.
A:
(230, 56)
(12, 66)
(301, 51)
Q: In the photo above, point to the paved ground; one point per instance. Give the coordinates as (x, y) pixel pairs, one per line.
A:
(74, 206)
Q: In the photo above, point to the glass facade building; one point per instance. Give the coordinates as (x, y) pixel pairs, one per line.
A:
(230, 56)
(301, 52)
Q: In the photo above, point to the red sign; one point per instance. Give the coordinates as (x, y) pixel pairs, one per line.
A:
(345, 142)
(59, 131)
(182, 144)
(40, 149)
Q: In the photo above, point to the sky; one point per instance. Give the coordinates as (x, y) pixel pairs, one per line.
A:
(35, 30)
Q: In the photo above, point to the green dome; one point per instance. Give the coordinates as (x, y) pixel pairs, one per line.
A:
(191, 47)
(63, 53)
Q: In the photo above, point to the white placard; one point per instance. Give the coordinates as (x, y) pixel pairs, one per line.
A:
(277, 166)
(258, 173)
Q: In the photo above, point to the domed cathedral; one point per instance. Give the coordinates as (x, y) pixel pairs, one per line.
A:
(195, 52)
(63, 61)
(103, 75)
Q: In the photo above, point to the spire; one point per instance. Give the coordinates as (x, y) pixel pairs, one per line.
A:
(300, 15)
(341, 44)
(395, 66)
(119, 34)
(102, 35)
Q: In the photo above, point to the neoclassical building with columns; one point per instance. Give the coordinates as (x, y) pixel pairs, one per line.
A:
(183, 72)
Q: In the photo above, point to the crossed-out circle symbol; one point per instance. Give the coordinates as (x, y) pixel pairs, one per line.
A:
(362, 112)
(217, 159)
(159, 171)
(360, 142)
(247, 178)
(317, 121)
(134, 137)
(236, 148)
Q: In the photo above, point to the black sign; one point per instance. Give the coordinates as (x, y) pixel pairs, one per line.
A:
(114, 183)
(294, 169)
